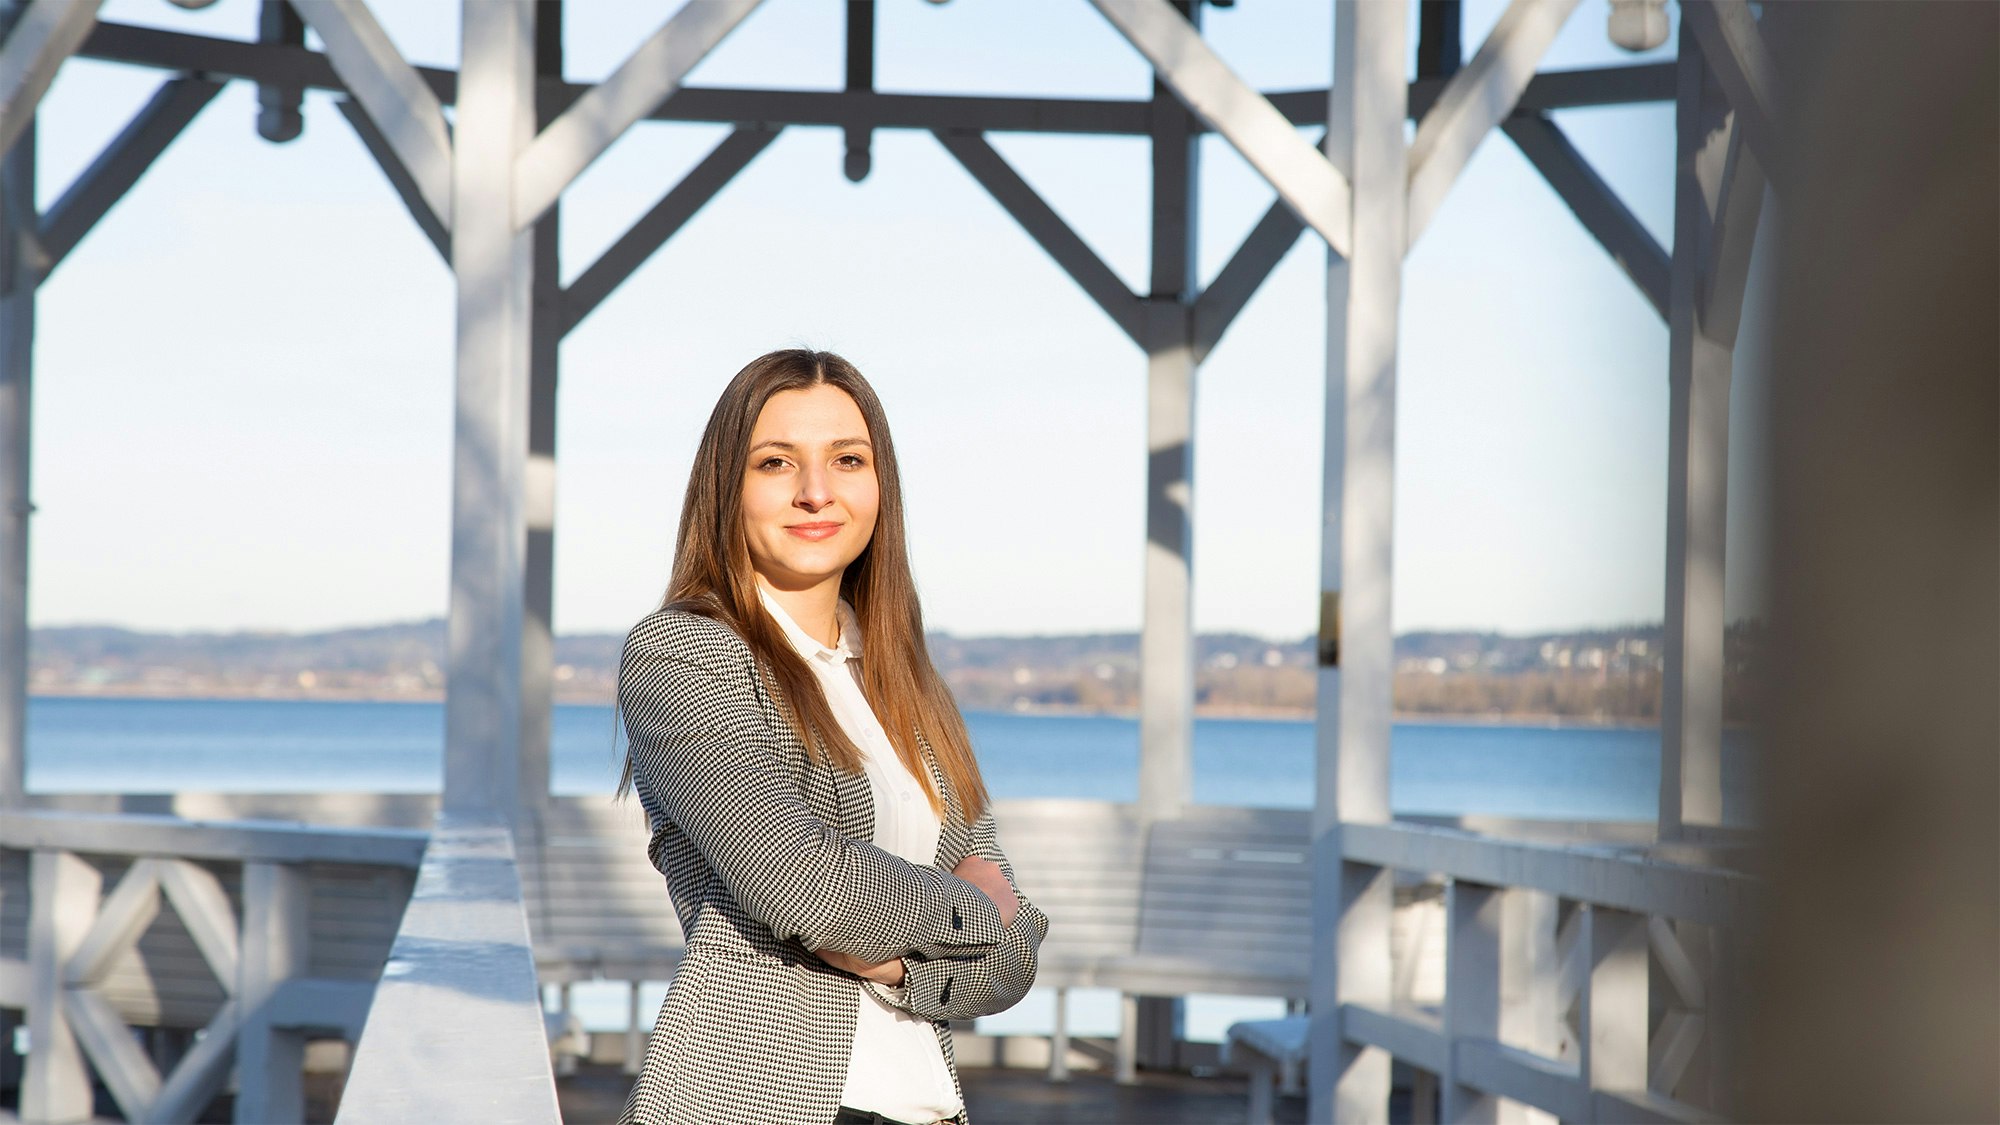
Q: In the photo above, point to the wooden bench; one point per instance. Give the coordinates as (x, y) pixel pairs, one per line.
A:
(1217, 901)
(1266, 1049)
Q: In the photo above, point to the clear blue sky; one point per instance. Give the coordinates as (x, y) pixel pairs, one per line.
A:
(243, 389)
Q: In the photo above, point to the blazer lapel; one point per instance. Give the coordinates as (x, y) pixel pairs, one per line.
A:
(954, 838)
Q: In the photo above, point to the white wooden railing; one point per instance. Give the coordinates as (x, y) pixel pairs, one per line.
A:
(1550, 992)
(255, 933)
(456, 1033)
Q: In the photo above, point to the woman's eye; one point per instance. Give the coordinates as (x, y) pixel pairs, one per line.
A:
(853, 460)
(770, 461)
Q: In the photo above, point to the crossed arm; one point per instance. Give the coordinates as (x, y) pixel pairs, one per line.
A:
(966, 985)
(701, 753)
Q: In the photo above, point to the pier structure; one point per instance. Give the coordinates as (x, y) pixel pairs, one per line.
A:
(1585, 966)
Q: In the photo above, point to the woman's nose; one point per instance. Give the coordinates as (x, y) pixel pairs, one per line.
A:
(813, 493)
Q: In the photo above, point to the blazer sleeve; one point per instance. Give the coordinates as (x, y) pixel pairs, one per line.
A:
(963, 986)
(700, 748)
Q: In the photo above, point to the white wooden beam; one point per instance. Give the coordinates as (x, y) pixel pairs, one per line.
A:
(200, 1073)
(1473, 914)
(589, 126)
(125, 1070)
(1673, 1047)
(140, 834)
(1478, 98)
(63, 896)
(125, 914)
(1673, 958)
(1608, 876)
(397, 99)
(204, 908)
(1419, 1043)
(276, 933)
(1734, 49)
(1700, 368)
(20, 277)
(42, 38)
(1353, 903)
(493, 259)
(1615, 1001)
(1550, 1085)
(1310, 185)
(1732, 236)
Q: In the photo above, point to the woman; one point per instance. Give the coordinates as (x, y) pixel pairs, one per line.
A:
(812, 792)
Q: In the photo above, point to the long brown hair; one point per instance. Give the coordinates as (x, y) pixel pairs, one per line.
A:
(713, 577)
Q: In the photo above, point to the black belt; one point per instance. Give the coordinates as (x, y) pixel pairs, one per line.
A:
(848, 1115)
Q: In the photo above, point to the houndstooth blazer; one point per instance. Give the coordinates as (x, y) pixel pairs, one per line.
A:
(767, 856)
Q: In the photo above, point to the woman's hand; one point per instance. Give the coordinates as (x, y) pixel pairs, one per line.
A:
(987, 876)
(888, 972)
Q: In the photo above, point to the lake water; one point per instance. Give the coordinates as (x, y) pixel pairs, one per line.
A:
(1541, 771)
(153, 746)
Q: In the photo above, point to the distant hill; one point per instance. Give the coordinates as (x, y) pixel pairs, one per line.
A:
(1604, 674)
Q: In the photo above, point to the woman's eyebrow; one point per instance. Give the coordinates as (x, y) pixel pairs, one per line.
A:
(842, 443)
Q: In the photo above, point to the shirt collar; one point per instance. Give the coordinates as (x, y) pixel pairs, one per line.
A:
(809, 646)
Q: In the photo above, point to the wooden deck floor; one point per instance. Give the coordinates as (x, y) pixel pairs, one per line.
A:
(1014, 1097)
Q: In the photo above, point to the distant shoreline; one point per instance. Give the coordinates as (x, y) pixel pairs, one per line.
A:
(1232, 713)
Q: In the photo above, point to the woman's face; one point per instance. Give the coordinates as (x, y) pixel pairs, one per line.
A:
(809, 489)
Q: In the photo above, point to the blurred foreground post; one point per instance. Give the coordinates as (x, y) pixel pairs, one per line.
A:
(1364, 291)
(1878, 971)
(19, 275)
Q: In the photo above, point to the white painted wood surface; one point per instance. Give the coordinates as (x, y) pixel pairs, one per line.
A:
(456, 1031)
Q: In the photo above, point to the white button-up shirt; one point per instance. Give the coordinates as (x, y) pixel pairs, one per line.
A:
(897, 1068)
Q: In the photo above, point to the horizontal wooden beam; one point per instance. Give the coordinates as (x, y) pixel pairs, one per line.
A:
(1625, 879)
(268, 63)
(1419, 1042)
(144, 835)
(462, 958)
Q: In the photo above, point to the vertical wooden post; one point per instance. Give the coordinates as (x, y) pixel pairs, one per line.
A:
(1699, 369)
(1473, 917)
(1059, 1039)
(1166, 658)
(493, 264)
(1166, 667)
(545, 333)
(1352, 902)
(1615, 1003)
(20, 273)
(63, 895)
(635, 1046)
(270, 1060)
(1530, 982)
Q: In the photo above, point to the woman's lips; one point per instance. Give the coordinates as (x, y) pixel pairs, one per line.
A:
(813, 531)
